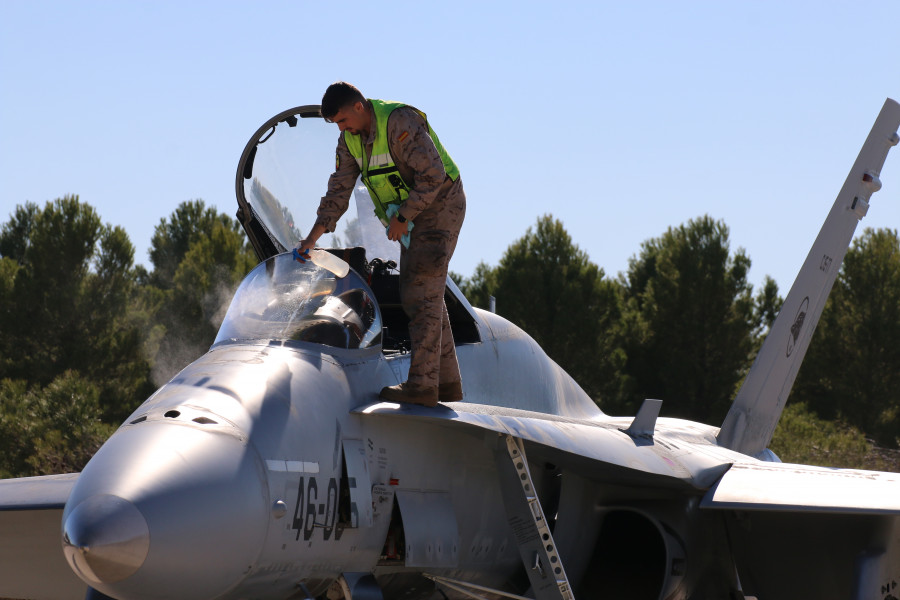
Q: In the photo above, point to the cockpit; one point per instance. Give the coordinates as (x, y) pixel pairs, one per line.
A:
(281, 176)
(285, 300)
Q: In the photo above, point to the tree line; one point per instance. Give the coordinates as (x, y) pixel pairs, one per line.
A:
(87, 335)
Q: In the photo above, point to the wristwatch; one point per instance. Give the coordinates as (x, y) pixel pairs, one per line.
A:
(400, 217)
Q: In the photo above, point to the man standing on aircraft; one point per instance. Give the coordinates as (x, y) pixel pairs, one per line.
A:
(416, 189)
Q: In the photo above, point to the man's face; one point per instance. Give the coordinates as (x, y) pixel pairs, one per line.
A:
(354, 119)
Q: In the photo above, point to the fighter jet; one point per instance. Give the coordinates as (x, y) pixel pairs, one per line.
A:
(269, 469)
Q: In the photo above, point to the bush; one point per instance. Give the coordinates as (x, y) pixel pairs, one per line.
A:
(804, 438)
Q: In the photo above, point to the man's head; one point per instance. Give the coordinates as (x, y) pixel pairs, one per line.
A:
(344, 105)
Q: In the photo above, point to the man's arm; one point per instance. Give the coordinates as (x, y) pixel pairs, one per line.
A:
(337, 198)
(413, 150)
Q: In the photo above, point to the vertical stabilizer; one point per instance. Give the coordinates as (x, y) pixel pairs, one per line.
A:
(751, 421)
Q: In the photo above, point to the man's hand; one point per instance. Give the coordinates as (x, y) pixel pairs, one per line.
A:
(397, 229)
(304, 246)
(301, 250)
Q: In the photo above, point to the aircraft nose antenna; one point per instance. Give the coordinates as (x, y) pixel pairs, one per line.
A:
(106, 538)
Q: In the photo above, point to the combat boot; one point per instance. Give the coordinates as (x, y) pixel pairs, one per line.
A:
(450, 391)
(410, 393)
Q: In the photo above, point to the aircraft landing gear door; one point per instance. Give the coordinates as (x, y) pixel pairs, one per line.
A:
(429, 526)
(356, 488)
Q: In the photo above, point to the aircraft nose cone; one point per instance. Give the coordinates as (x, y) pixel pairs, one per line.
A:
(167, 511)
(106, 538)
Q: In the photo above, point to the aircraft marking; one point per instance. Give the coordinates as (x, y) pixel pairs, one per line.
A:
(798, 325)
(305, 512)
(887, 590)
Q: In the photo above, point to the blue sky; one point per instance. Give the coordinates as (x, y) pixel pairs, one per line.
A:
(620, 119)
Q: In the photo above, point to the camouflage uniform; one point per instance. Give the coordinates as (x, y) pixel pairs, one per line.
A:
(437, 206)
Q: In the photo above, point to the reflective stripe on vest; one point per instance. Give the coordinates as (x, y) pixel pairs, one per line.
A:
(379, 173)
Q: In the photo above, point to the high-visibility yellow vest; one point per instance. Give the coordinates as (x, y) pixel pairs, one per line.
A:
(379, 173)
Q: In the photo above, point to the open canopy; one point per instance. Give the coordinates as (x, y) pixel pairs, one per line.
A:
(282, 175)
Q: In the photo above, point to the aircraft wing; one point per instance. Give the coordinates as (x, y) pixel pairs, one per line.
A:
(605, 450)
(32, 564)
(792, 488)
(600, 450)
(797, 530)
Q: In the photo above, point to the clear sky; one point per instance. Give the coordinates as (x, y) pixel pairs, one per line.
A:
(621, 119)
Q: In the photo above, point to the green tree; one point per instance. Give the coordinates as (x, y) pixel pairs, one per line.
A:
(690, 321)
(51, 429)
(67, 282)
(9, 270)
(852, 369)
(481, 286)
(199, 258)
(547, 286)
(767, 303)
(15, 236)
(172, 239)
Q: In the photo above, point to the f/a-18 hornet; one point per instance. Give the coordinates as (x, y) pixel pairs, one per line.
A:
(268, 468)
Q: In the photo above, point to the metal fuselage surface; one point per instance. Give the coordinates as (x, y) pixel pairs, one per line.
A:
(250, 475)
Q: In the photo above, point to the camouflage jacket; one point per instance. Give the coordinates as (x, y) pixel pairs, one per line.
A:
(415, 156)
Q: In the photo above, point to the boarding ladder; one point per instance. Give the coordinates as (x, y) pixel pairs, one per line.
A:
(526, 517)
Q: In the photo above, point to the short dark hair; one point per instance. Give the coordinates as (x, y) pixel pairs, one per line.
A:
(340, 94)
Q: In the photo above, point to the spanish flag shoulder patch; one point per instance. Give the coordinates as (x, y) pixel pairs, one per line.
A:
(403, 136)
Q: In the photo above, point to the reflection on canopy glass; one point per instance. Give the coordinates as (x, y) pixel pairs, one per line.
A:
(288, 174)
(284, 300)
(290, 169)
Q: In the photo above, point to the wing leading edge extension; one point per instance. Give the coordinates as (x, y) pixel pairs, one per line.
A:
(601, 450)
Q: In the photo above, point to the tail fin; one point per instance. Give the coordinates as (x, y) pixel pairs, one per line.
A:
(751, 421)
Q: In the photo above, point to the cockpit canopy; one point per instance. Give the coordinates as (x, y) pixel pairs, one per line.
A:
(288, 301)
(281, 176)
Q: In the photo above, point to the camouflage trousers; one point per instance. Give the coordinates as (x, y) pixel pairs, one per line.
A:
(423, 278)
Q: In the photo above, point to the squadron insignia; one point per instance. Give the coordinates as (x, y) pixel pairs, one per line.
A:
(797, 326)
